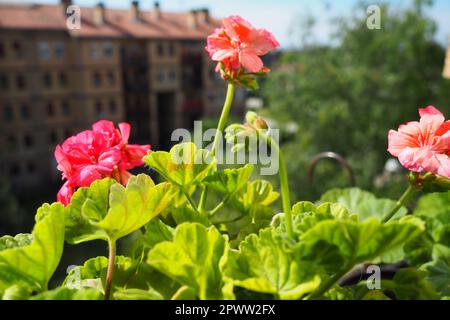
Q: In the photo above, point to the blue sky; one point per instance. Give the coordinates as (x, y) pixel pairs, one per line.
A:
(279, 16)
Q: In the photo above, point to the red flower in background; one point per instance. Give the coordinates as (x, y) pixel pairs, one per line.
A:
(237, 44)
(95, 154)
(425, 145)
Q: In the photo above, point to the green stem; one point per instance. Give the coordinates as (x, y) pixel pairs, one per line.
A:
(201, 204)
(285, 193)
(220, 127)
(224, 116)
(327, 285)
(110, 271)
(191, 202)
(406, 196)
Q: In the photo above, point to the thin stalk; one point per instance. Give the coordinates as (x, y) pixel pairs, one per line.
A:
(327, 285)
(110, 271)
(220, 127)
(406, 196)
(224, 116)
(285, 193)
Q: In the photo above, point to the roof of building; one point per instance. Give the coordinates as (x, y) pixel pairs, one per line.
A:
(117, 22)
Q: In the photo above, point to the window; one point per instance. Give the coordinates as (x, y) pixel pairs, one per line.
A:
(17, 49)
(171, 49)
(65, 108)
(15, 170)
(30, 167)
(47, 79)
(24, 112)
(12, 142)
(63, 79)
(98, 108)
(97, 79)
(96, 52)
(111, 78)
(2, 50)
(160, 75)
(53, 137)
(4, 82)
(160, 49)
(108, 50)
(172, 75)
(50, 109)
(28, 140)
(20, 82)
(44, 50)
(8, 113)
(59, 50)
(112, 107)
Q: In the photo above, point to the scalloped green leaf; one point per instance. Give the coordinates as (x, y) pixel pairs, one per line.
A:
(70, 294)
(32, 264)
(334, 243)
(19, 240)
(410, 284)
(229, 181)
(362, 203)
(438, 274)
(263, 264)
(137, 294)
(108, 210)
(184, 166)
(192, 258)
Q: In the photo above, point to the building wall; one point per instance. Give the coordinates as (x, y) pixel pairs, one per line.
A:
(53, 85)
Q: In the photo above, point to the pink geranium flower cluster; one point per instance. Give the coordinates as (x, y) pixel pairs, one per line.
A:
(95, 154)
(423, 146)
(237, 44)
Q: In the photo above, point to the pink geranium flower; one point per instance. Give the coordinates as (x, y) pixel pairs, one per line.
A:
(425, 145)
(237, 44)
(95, 154)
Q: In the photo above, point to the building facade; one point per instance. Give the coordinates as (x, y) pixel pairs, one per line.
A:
(145, 67)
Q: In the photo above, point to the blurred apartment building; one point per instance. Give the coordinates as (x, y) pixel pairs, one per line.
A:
(145, 67)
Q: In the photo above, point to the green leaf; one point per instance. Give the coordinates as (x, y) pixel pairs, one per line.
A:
(108, 210)
(439, 276)
(306, 215)
(345, 243)
(184, 166)
(229, 181)
(137, 294)
(434, 208)
(32, 264)
(263, 264)
(258, 192)
(157, 231)
(410, 284)
(93, 273)
(192, 258)
(186, 214)
(20, 240)
(362, 203)
(69, 294)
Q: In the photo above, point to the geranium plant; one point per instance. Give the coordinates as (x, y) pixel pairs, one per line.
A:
(186, 246)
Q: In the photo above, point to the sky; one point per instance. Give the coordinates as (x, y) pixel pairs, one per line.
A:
(279, 16)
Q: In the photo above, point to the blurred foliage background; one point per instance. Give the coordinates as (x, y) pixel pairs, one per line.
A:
(344, 98)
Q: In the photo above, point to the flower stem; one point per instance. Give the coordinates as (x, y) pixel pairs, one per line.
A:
(285, 193)
(110, 271)
(220, 127)
(327, 285)
(406, 196)
(224, 116)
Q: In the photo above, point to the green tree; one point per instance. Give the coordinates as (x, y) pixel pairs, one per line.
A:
(345, 98)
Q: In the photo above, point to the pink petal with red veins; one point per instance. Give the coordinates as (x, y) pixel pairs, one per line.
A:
(237, 28)
(65, 193)
(250, 61)
(430, 110)
(87, 175)
(223, 54)
(444, 165)
(125, 131)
